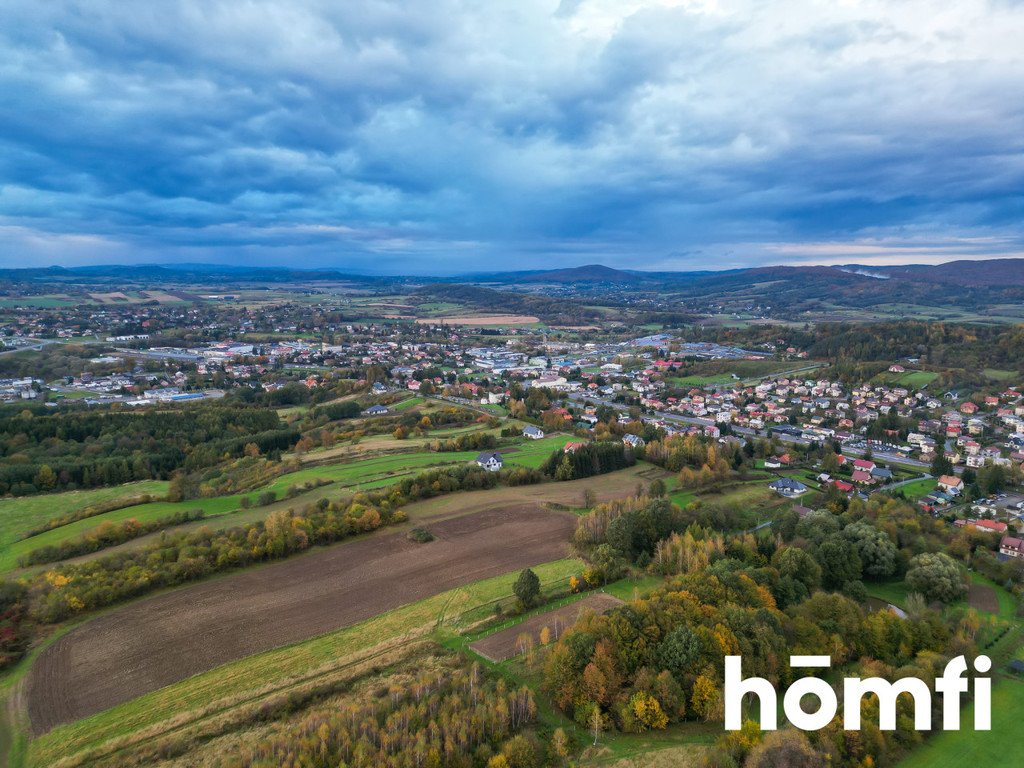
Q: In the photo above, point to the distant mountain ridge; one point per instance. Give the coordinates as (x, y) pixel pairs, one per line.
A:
(993, 272)
(1002, 272)
(590, 273)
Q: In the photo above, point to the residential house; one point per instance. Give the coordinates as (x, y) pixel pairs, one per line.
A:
(633, 441)
(951, 483)
(1011, 546)
(788, 487)
(490, 461)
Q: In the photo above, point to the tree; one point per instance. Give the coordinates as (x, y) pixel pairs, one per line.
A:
(830, 463)
(527, 588)
(941, 465)
(936, 576)
(876, 550)
(706, 699)
(784, 749)
(596, 723)
(798, 564)
(46, 478)
(839, 562)
(589, 498)
(646, 712)
(678, 652)
(559, 745)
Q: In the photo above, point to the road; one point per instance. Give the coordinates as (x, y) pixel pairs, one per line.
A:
(34, 347)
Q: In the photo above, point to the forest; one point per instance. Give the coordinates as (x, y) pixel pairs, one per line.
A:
(798, 588)
(45, 451)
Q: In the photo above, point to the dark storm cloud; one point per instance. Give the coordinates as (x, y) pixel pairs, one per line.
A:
(438, 136)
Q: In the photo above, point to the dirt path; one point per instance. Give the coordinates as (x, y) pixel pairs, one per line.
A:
(152, 643)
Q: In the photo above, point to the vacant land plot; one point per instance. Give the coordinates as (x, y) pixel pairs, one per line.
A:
(164, 639)
(982, 597)
(481, 320)
(506, 643)
(114, 297)
(191, 704)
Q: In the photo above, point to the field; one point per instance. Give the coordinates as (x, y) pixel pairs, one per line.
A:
(697, 380)
(917, 489)
(155, 642)
(195, 702)
(481, 320)
(908, 379)
(953, 749)
(504, 644)
(999, 375)
(19, 516)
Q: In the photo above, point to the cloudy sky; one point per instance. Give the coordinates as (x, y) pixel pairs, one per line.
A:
(444, 136)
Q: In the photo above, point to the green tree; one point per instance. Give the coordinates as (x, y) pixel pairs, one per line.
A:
(46, 478)
(876, 550)
(941, 465)
(527, 588)
(936, 576)
(839, 562)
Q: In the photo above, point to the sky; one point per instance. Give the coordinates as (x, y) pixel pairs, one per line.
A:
(452, 136)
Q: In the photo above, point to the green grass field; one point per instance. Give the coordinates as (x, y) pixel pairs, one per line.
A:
(954, 749)
(892, 592)
(410, 402)
(908, 379)
(367, 474)
(697, 380)
(999, 375)
(269, 672)
(19, 516)
(532, 453)
(918, 488)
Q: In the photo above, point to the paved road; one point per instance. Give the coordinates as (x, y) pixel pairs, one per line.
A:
(35, 347)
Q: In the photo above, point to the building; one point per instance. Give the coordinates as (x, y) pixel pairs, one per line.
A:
(490, 461)
(989, 526)
(788, 487)
(1011, 546)
(375, 410)
(633, 441)
(533, 433)
(951, 483)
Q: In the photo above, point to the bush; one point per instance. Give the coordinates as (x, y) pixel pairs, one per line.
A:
(420, 535)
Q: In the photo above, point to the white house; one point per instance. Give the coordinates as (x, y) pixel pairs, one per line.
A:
(490, 461)
(534, 433)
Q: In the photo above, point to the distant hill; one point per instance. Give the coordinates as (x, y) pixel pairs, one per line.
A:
(591, 273)
(994, 272)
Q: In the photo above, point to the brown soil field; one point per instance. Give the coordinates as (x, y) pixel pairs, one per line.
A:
(114, 297)
(481, 320)
(160, 640)
(502, 645)
(983, 598)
